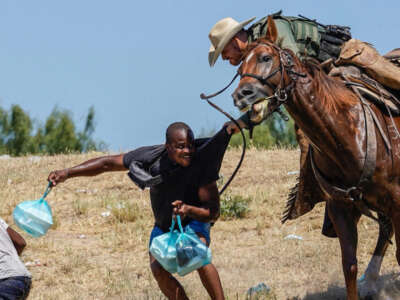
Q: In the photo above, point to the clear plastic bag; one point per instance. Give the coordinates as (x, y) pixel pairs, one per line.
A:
(163, 249)
(34, 216)
(180, 251)
(191, 252)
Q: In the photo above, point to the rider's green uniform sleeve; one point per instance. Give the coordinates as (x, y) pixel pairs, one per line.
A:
(296, 34)
(285, 36)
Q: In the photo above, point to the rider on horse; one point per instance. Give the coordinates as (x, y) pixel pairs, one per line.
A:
(305, 37)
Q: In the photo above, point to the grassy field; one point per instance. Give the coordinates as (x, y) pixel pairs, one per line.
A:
(86, 255)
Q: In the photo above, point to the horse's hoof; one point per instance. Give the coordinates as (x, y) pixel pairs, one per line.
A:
(361, 279)
(367, 289)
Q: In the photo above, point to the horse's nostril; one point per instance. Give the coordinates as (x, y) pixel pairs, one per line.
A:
(247, 92)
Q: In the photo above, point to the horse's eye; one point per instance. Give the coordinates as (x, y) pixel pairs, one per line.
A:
(266, 58)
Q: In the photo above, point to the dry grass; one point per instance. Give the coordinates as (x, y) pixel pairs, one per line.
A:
(88, 256)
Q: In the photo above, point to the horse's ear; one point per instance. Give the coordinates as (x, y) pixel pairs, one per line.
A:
(272, 31)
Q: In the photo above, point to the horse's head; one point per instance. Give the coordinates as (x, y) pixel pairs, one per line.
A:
(260, 74)
(262, 71)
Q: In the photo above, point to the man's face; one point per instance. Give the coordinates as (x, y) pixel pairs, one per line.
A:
(232, 53)
(181, 147)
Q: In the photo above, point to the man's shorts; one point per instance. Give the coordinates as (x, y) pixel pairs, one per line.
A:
(197, 226)
(17, 287)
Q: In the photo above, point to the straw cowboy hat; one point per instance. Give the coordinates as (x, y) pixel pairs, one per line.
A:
(220, 34)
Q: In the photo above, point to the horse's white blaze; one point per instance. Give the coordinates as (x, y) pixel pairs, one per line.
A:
(249, 57)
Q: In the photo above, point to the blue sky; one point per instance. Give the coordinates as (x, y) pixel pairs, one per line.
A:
(143, 64)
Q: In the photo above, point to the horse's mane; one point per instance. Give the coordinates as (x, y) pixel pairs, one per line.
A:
(333, 93)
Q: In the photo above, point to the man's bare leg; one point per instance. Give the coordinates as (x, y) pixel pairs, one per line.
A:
(210, 279)
(170, 287)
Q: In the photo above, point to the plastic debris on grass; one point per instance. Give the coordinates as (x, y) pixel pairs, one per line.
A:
(106, 214)
(258, 291)
(293, 172)
(34, 159)
(35, 263)
(293, 237)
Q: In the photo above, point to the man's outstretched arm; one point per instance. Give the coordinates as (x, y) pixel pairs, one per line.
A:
(91, 167)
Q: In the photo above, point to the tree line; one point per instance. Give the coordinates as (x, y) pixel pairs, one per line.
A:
(19, 135)
(271, 133)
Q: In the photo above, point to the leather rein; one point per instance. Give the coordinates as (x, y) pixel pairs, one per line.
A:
(204, 97)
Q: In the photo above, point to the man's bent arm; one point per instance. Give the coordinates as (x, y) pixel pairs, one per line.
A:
(91, 167)
(210, 209)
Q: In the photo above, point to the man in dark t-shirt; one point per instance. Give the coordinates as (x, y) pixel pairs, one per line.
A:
(182, 178)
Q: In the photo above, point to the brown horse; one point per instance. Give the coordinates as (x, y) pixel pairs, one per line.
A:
(354, 163)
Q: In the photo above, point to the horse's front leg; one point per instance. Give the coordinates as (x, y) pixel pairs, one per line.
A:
(345, 218)
(367, 283)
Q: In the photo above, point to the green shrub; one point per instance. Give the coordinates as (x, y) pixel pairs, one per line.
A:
(234, 207)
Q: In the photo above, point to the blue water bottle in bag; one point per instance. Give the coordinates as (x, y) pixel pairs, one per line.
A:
(191, 252)
(163, 249)
(34, 216)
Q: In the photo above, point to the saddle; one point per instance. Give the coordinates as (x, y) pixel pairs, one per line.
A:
(365, 56)
(385, 98)
(306, 193)
(393, 56)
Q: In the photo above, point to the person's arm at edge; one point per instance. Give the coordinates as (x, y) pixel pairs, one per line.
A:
(17, 239)
(91, 167)
(210, 210)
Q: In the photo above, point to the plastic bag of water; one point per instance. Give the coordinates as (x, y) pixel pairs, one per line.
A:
(34, 216)
(191, 252)
(163, 249)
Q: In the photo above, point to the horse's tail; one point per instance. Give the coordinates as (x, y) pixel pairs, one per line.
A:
(290, 202)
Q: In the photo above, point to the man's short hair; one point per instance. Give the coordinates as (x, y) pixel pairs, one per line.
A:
(174, 127)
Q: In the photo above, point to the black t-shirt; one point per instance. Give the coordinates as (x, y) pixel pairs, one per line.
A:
(179, 183)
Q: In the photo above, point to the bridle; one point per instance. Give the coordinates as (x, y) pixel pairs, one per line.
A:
(281, 91)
